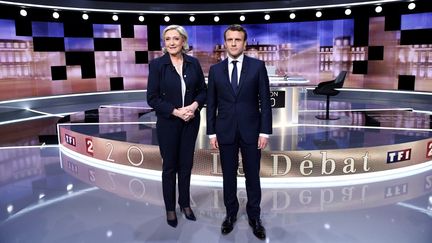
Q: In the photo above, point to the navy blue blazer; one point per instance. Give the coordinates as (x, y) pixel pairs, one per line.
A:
(248, 111)
(164, 85)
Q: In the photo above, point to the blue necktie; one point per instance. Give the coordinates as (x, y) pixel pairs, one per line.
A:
(234, 76)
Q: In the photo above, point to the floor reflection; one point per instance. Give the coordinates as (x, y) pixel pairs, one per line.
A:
(51, 197)
(46, 196)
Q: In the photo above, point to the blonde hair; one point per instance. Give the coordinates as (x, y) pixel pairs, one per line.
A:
(182, 33)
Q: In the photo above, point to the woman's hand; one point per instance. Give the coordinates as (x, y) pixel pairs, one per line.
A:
(184, 113)
(192, 107)
(188, 112)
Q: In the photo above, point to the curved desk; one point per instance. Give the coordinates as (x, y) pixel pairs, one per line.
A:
(132, 148)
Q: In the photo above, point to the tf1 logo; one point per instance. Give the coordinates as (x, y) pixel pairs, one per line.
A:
(71, 140)
(398, 156)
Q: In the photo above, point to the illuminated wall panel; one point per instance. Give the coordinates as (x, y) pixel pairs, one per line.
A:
(39, 58)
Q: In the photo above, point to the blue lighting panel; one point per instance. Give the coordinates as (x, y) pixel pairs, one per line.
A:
(47, 29)
(79, 44)
(416, 21)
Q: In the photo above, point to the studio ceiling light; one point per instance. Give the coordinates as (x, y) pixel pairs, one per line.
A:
(56, 15)
(23, 12)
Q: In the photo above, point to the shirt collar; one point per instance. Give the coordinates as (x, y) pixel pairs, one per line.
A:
(239, 59)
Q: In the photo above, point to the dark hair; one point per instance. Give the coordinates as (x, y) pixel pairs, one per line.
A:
(236, 27)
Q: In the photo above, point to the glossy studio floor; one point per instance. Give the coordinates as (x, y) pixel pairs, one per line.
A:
(50, 194)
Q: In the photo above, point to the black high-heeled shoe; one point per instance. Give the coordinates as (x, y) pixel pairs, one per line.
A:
(171, 218)
(188, 213)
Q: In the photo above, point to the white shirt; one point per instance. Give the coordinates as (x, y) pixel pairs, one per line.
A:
(179, 70)
(239, 66)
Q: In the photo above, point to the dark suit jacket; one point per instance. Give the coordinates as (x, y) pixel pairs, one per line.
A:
(164, 85)
(248, 111)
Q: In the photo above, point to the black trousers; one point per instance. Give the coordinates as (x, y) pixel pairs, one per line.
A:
(177, 145)
(251, 156)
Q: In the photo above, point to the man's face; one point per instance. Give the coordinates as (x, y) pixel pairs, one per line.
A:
(235, 43)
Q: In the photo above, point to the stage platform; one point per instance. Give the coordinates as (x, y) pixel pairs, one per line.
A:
(366, 177)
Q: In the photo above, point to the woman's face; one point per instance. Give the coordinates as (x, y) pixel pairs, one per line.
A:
(173, 42)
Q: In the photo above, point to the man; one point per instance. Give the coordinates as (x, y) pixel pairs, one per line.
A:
(239, 118)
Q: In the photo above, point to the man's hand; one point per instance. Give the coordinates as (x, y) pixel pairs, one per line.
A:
(214, 143)
(262, 142)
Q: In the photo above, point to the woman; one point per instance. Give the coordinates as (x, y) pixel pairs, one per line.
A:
(177, 91)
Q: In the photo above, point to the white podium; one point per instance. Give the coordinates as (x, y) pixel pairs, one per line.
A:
(285, 94)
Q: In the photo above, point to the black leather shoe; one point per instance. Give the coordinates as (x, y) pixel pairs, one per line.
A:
(258, 229)
(172, 218)
(228, 224)
(188, 213)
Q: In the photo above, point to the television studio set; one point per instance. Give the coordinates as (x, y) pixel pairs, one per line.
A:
(120, 121)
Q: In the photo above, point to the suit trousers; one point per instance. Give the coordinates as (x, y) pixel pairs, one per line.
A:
(177, 145)
(251, 156)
